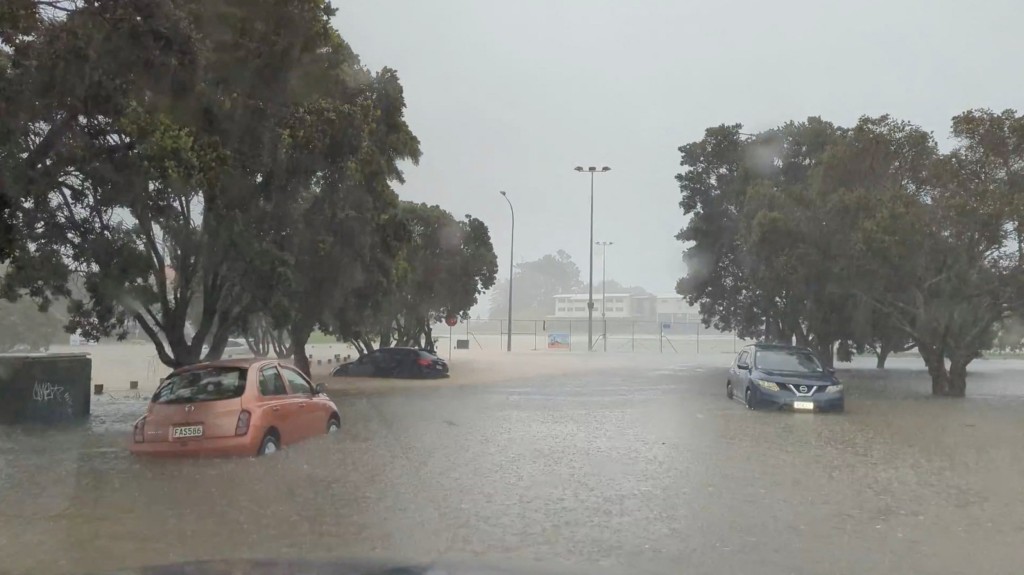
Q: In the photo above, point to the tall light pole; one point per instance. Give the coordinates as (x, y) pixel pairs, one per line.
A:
(511, 267)
(590, 301)
(604, 281)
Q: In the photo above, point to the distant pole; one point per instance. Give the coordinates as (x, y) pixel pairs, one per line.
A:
(698, 338)
(511, 267)
(590, 300)
(661, 335)
(604, 280)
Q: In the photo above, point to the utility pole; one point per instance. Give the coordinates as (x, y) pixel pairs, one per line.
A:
(604, 282)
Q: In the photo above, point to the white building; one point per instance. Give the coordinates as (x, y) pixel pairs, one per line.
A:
(575, 305)
(673, 308)
(669, 308)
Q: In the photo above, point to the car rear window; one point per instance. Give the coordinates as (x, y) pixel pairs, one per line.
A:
(427, 355)
(787, 360)
(210, 384)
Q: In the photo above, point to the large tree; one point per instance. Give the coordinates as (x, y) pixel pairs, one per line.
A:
(955, 248)
(535, 285)
(865, 236)
(197, 144)
(443, 266)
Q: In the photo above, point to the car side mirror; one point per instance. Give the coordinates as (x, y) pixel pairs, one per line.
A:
(320, 389)
(742, 366)
(830, 370)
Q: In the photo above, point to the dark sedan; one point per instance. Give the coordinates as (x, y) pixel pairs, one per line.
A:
(406, 362)
(779, 377)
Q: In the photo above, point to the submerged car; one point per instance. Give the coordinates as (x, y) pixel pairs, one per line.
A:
(233, 407)
(773, 376)
(406, 362)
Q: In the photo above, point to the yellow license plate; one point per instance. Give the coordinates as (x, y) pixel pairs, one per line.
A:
(802, 405)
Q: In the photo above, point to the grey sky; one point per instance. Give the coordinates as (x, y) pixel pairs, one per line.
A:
(511, 95)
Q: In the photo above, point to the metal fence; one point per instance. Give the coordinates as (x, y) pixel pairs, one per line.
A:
(570, 335)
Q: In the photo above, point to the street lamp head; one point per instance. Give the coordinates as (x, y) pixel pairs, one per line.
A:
(578, 168)
(503, 193)
(606, 169)
(591, 169)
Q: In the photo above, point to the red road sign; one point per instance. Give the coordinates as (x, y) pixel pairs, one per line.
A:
(451, 321)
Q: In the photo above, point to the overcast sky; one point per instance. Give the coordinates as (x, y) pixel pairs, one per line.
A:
(511, 95)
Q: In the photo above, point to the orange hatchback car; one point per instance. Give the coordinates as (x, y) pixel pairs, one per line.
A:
(233, 407)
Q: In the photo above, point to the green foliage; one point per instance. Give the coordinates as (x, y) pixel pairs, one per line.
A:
(444, 266)
(192, 163)
(866, 236)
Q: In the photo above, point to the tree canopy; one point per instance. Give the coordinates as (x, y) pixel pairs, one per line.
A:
(203, 168)
(867, 237)
(444, 266)
(535, 285)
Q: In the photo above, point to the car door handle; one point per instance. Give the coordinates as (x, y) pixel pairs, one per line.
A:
(275, 408)
(303, 404)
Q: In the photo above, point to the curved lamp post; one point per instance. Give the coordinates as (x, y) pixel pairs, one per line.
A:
(511, 252)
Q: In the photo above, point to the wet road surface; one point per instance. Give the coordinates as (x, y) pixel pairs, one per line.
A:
(645, 469)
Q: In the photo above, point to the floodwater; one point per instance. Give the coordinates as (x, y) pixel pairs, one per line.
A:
(619, 468)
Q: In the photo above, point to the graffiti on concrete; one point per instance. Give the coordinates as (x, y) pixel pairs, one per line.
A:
(54, 395)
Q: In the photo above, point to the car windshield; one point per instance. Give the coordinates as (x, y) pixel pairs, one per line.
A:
(212, 384)
(787, 360)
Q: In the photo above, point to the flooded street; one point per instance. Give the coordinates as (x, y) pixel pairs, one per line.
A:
(645, 468)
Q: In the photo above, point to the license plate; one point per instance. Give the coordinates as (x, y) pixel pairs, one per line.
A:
(186, 431)
(803, 405)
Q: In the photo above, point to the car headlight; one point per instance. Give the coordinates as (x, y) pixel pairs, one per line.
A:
(837, 388)
(769, 385)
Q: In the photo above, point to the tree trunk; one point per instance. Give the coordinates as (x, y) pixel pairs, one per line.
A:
(281, 343)
(844, 351)
(883, 354)
(367, 345)
(958, 376)
(825, 352)
(299, 356)
(428, 336)
(934, 359)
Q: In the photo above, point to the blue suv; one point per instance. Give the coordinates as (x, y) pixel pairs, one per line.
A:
(774, 376)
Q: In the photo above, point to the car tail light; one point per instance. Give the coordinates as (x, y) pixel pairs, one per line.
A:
(242, 427)
(424, 362)
(139, 432)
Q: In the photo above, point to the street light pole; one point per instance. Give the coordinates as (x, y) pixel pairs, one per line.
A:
(511, 253)
(604, 282)
(590, 299)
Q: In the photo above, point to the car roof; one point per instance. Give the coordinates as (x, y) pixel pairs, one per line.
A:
(779, 346)
(240, 363)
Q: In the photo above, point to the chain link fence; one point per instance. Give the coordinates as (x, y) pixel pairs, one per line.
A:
(570, 335)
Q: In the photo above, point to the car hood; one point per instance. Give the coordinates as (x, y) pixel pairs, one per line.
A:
(306, 567)
(795, 378)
